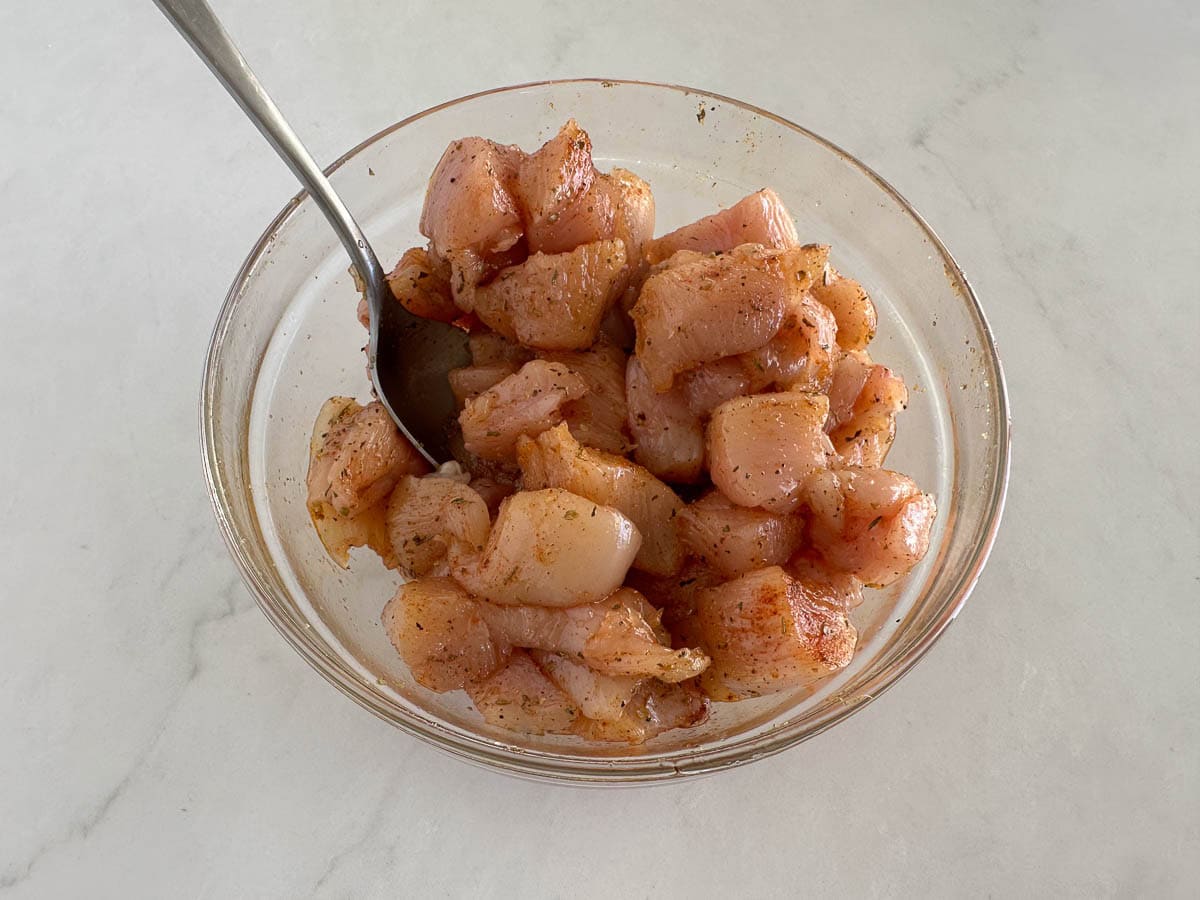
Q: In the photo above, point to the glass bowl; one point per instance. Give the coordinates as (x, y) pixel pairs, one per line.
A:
(287, 339)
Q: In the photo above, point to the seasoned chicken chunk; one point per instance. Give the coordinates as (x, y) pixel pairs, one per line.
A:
(655, 707)
(552, 181)
(762, 448)
(801, 355)
(356, 456)
(736, 539)
(551, 548)
(469, 204)
(520, 697)
(598, 696)
(620, 635)
(524, 403)
(436, 628)
(708, 386)
(864, 433)
(668, 436)
(768, 632)
(851, 307)
(553, 301)
(597, 419)
(426, 515)
(556, 459)
(421, 289)
(696, 309)
(759, 218)
(840, 589)
(870, 523)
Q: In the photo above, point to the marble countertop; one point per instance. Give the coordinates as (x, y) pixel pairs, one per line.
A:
(160, 739)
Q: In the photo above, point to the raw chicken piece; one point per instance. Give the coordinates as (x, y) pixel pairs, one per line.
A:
(488, 348)
(696, 309)
(870, 523)
(864, 438)
(553, 301)
(436, 628)
(849, 375)
(525, 403)
(840, 589)
(669, 437)
(368, 528)
(469, 204)
(426, 515)
(665, 706)
(469, 382)
(675, 595)
(520, 697)
(708, 386)
(420, 289)
(551, 548)
(551, 182)
(598, 696)
(597, 419)
(492, 490)
(633, 223)
(556, 459)
(356, 456)
(655, 708)
(619, 635)
(759, 218)
(734, 539)
(851, 307)
(801, 355)
(768, 632)
(762, 448)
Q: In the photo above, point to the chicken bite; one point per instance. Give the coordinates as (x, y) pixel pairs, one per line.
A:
(734, 539)
(524, 403)
(759, 218)
(550, 548)
(762, 448)
(768, 632)
(869, 523)
(556, 459)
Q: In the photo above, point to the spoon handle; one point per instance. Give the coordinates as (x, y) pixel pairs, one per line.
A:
(199, 25)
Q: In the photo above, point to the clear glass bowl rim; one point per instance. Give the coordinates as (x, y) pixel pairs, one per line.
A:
(618, 769)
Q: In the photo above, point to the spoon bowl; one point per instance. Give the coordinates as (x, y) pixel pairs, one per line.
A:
(407, 356)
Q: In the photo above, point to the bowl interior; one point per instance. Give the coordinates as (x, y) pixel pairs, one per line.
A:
(288, 339)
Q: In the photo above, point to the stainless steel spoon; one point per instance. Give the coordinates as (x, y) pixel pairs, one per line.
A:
(408, 357)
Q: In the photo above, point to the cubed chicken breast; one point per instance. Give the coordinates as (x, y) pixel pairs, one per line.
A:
(668, 436)
(762, 448)
(851, 307)
(521, 697)
(426, 515)
(556, 459)
(768, 632)
(421, 289)
(524, 403)
(469, 203)
(356, 456)
(598, 418)
(553, 301)
(759, 218)
(870, 523)
(436, 628)
(551, 548)
(736, 539)
(696, 309)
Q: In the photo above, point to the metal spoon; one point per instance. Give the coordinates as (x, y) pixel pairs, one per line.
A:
(408, 357)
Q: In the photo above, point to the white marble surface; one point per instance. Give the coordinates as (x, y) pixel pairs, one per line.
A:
(160, 739)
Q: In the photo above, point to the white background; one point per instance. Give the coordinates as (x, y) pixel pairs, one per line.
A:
(158, 738)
